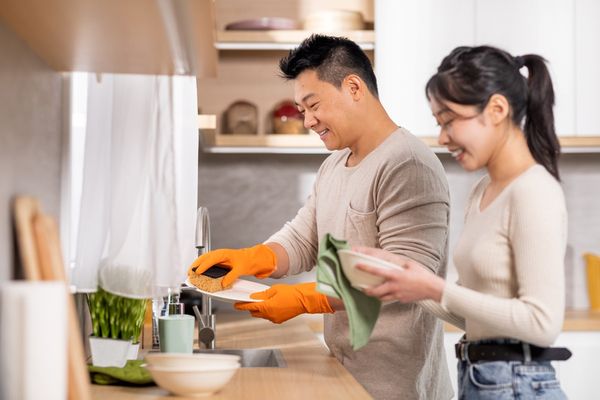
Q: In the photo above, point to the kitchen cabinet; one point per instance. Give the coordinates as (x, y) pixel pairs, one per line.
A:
(248, 70)
(544, 27)
(581, 335)
(113, 36)
(576, 375)
(413, 37)
(587, 65)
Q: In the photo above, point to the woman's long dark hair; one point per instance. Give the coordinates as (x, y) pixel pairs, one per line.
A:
(471, 75)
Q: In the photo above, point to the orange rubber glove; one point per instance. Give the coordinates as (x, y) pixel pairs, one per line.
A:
(259, 261)
(283, 302)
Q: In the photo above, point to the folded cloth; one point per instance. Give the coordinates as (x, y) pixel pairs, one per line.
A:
(362, 310)
(132, 374)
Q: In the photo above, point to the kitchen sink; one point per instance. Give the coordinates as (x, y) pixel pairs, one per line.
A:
(253, 358)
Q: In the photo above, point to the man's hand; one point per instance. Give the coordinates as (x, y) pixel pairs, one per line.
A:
(283, 302)
(259, 261)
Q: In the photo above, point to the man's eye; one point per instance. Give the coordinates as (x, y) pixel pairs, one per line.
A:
(314, 107)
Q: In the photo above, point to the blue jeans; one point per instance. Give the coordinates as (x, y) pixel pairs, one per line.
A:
(501, 380)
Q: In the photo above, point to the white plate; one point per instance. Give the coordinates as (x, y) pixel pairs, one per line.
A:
(240, 291)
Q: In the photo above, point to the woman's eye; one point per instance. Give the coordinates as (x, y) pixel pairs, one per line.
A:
(447, 123)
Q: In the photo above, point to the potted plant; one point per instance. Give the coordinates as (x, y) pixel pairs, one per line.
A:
(117, 311)
(116, 326)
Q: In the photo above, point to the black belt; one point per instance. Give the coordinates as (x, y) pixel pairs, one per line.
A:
(474, 352)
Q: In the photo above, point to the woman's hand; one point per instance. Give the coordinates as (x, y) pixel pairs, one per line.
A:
(411, 283)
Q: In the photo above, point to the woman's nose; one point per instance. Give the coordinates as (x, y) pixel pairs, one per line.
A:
(443, 138)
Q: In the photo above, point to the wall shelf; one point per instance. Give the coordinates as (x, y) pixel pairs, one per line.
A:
(568, 144)
(282, 39)
(311, 144)
(262, 144)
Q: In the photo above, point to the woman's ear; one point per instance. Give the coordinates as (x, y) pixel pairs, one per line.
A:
(498, 109)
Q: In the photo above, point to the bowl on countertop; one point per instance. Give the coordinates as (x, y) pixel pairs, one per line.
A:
(349, 259)
(192, 382)
(183, 361)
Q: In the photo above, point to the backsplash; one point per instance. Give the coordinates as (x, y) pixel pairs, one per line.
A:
(251, 196)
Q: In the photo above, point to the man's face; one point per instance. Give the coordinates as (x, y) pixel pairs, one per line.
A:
(325, 108)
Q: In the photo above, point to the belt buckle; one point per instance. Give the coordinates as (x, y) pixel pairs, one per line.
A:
(461, 350)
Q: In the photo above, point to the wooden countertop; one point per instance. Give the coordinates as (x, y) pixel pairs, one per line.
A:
(311, 371)
(575, 321)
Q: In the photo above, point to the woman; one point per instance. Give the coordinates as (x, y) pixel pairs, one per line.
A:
(509, 297)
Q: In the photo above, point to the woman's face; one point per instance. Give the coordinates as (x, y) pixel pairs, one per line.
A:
(466, 132)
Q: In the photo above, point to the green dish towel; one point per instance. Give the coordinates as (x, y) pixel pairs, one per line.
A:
(362, 310)
(132, 374)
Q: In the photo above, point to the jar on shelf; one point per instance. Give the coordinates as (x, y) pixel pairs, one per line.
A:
(241, 117)
(287, 119)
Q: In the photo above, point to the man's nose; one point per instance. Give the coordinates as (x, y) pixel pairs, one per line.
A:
(309, 120)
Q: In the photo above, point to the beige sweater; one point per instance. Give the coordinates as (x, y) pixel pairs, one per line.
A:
(396, 199)
(510, 262)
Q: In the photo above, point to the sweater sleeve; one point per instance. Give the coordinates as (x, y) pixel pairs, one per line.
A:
(537, 226)
(299, 236)
(413, 213)
(439, 311)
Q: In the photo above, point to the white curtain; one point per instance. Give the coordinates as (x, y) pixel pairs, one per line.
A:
(139, 189)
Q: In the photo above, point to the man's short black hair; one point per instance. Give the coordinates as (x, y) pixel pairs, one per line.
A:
(333, 58)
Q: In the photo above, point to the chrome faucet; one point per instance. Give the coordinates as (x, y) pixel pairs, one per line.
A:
(206, 319)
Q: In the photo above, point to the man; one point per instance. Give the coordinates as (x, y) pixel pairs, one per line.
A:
(382, 188)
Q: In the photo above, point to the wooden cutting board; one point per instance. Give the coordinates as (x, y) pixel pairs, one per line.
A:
(52, 268)
(24, 209)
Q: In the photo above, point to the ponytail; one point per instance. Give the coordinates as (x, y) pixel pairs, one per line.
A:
(539, 118)
(471, 75)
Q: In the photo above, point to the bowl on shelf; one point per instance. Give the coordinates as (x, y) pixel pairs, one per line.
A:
(189, 361)
(334, 21)
(361, 279)
(192, 382)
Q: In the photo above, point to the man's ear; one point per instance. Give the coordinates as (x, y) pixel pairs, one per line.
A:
(355, 85)
(498, 109)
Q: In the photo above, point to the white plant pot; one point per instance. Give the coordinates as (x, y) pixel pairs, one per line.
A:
(132, 354)
(109, 352)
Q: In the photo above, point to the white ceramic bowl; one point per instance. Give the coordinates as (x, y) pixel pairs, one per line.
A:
(190, 361)
(194, 382)
(334, 20)
(362, 279)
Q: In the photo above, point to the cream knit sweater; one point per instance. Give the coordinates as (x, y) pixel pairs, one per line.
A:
(510, 262)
